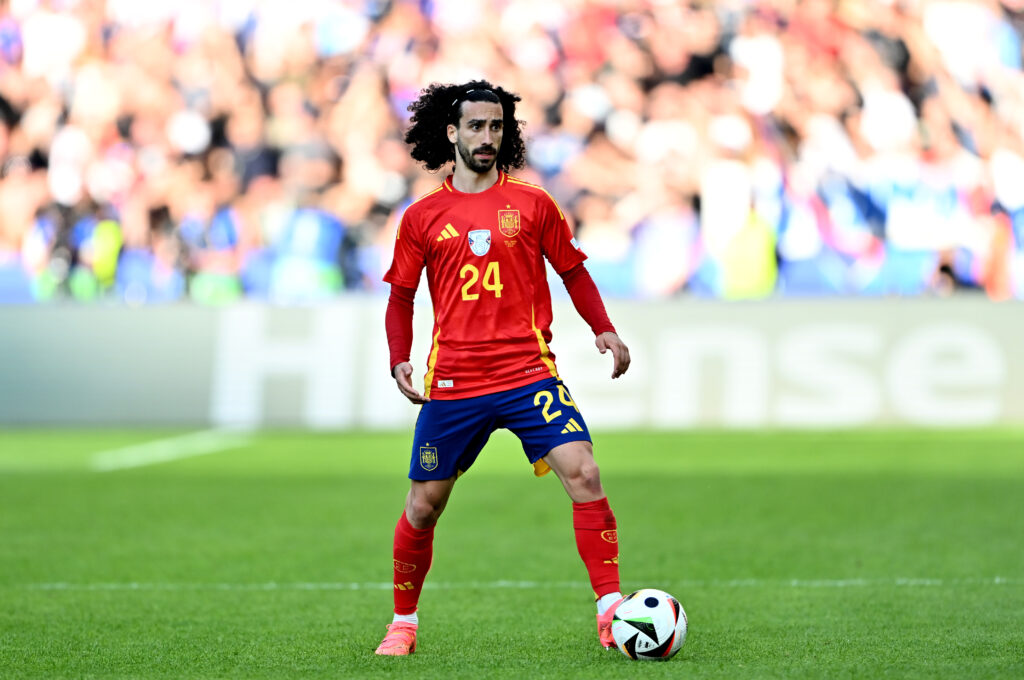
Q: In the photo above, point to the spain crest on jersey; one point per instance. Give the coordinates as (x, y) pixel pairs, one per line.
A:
(480, 241)
(508, 222)
(428, 458)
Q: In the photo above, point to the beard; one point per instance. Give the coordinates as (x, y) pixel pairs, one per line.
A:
(472, 162)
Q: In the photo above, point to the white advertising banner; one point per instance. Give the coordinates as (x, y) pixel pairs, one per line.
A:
(783, 364)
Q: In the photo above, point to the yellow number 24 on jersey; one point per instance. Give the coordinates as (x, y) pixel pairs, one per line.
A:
(491, 282)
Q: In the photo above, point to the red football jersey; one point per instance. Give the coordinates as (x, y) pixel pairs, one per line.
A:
(484, 255)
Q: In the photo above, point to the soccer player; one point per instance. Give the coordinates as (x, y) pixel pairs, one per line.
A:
(482, 237)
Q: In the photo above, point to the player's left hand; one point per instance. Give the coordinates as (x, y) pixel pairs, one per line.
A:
(610, 341)
(402, 374)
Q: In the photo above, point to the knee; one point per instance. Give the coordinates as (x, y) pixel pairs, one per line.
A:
(422, 511)
(587, 478)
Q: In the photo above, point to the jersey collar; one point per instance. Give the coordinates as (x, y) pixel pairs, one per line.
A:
(502, 178)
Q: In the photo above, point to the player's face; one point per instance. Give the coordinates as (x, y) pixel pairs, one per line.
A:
(478, 136)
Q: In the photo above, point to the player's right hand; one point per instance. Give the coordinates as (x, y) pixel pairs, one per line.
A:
(403, 378)
(610, 341)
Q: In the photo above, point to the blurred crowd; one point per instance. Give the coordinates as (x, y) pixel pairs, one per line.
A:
(211, 150)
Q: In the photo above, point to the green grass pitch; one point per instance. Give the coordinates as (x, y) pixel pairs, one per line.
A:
(869, 554)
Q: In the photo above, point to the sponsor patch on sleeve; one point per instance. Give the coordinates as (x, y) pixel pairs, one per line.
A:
(575, 244)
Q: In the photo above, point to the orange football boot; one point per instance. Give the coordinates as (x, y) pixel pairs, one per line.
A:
(401, 640)
(604, 625)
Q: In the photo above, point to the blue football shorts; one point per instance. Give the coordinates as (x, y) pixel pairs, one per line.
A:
(451, 433)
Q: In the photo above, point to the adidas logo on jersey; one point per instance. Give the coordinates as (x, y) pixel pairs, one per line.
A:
(447, 232)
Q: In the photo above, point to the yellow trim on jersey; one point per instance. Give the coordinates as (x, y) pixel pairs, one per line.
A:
(540, 468)
(429, 193)
(431, 362)
(539, 188)
(544, 351)
(398, 231)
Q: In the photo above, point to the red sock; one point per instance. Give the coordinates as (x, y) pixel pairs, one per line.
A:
(413, 552)
(598, 542)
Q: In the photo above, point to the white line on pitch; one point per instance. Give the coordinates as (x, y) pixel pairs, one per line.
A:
(166, 450)
(536, 585)
(272, 585)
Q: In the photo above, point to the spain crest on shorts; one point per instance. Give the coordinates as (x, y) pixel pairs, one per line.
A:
(508, 222)
(480, 241)
(428, 458)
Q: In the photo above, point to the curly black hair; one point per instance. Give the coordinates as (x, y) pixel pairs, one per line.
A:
(440, 105)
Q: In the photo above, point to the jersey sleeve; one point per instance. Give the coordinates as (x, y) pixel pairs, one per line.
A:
(409, 258)
(557, 242)
(586, 298)
(398, 324)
